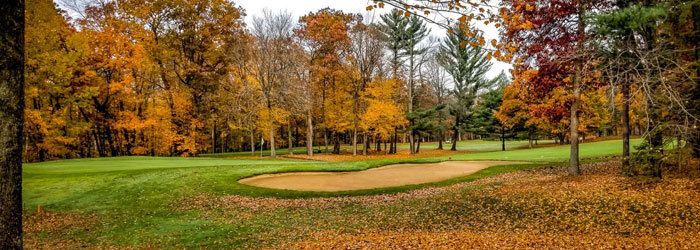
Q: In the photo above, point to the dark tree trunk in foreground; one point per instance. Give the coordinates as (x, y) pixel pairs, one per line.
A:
(695, 137)
(655, 138)
(627, 170)
(574, 168)
(11, 114)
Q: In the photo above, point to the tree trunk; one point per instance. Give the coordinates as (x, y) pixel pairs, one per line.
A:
(574, 168)
(626, 169)
(455, 134)
(273, 154)
(290, 141)
(355, 119)
(325, 139)
(379, 143)
(213, 137)
(655, 137)
(396, 141)
(411, 143)
(336, 143)
(503, 139)
(309, 134)
(411, 139)
(252, 142)
(391, 145)
(365, 142)
(354, 140)
(262, 144)
(418, 145)
(395, 75)
(110, 140)
(11, 122)
(695, 136)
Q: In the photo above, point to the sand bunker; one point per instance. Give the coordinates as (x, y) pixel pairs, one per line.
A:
(387, 176)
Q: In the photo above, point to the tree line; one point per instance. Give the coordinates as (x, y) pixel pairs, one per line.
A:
(189, 77)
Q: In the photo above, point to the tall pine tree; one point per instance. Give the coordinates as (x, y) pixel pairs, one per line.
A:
(465, 60)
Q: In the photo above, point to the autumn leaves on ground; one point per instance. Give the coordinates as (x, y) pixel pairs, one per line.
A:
(133, 202)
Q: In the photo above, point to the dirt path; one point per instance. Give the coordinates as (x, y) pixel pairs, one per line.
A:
(387, 176)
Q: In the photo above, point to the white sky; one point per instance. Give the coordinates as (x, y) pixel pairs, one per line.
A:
(299, 8)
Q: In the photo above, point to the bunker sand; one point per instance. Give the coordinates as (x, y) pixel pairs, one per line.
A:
(381, 177)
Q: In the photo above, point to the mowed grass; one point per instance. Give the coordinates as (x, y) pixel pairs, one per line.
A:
(552, 154)
(470, 146)
(136, 200)
(480, 145)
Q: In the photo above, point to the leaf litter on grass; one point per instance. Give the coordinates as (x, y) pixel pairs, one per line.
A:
(526, 209)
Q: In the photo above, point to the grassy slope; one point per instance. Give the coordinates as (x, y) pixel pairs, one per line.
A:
(471, 146)
(140, 194)
(480, 145)
(551, 154)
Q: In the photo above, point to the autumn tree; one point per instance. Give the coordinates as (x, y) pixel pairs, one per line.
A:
(50, 128)
(240, 95)
(107, 71)
(302, 93)
(11, 122)
(366, 51)
(393, 26)
(514, 111)
(325, 34)
(383, 114)
(202, 37)
(551, 37)
(273, 34)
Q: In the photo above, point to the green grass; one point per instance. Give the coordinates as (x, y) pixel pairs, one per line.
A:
(136, 198)
(552, 154)
(471, 146)
(479, 145)
(281, 151)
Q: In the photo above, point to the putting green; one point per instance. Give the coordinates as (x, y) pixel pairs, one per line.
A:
(381, 177)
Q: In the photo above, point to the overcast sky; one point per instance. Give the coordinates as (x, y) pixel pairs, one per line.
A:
(302, 7)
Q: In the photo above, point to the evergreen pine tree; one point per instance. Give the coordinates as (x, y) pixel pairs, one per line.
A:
(467, 65)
